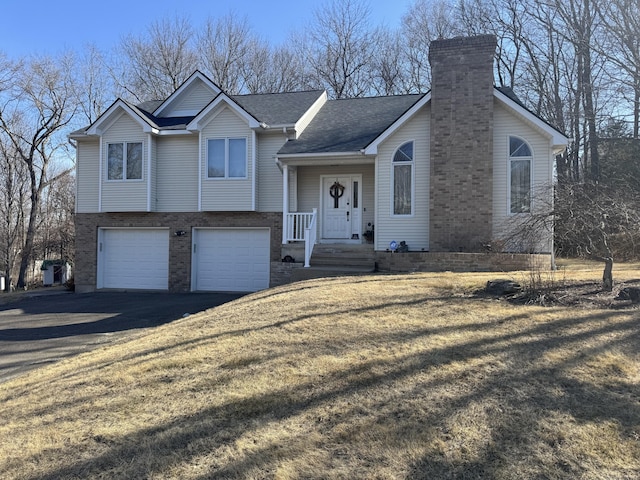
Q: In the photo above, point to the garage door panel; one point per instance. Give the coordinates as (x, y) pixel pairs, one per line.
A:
(135, 258)
(232, 259)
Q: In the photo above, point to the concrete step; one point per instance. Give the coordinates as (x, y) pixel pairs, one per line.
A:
(352, 256)
(330, 260)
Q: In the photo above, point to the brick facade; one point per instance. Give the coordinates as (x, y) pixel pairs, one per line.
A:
(461, 189)
(87, 225)
(460, 262)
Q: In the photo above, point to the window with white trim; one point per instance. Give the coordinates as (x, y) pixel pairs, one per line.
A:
(124, 161)
(402, 179)
(520, 161)
(227, 158)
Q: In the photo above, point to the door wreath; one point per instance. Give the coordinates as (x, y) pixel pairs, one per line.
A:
(336, 191)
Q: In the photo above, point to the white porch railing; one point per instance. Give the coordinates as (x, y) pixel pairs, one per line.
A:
(302, 227)
(297, 223)
(310, 235)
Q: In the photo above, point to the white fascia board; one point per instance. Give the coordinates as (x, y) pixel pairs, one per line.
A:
(80, 135)
(164, 133)
(332, 158)
(113, 113)
(202, 118)
(372, 148)
(195, 76)
(559, 140)
(313, 110)
(279, 127)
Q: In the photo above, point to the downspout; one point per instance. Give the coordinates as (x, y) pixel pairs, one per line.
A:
(200, 171)
(254, 174)
(75, 147)
(149, 169)
(100, 174)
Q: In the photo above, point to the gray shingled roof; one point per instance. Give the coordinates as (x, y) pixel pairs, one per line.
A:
(278, 108)
(349, 125)
(272, 108)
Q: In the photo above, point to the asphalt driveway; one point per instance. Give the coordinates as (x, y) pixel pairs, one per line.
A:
(37, 330)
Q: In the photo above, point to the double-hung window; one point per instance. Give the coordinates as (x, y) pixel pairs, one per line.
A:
(520, 159)
(124, 161)
(227, 158)
(402, 179)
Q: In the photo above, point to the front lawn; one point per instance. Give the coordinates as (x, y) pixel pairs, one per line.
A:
(389, 377)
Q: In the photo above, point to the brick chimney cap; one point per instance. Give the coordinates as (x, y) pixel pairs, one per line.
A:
(479, 43)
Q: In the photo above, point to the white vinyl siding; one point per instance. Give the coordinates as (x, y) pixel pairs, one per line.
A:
(88, 176)
(414, 228)
(269, 184)
(191, 101)
(308, 179)
(131, 195)
(232, 194)
(508, 124)
(177, 174)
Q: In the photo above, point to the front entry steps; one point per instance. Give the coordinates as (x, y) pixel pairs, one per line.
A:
(335, 260)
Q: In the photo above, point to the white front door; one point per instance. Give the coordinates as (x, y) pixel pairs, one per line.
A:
(341, 206)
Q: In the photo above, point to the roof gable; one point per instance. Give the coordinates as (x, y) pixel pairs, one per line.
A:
(205, 115)
(558, 139)
(114, 112)
(196, 92)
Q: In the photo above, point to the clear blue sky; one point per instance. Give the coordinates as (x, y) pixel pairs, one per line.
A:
(51, 26)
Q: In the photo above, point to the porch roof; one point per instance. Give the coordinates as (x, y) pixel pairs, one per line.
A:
(349, 125)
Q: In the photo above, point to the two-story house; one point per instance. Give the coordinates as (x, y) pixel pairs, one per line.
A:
(205, 191)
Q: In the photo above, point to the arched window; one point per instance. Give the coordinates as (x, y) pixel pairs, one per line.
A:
(520, 160)
(402, 179)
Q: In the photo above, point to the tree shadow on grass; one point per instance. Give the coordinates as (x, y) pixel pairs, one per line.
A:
(524, 385)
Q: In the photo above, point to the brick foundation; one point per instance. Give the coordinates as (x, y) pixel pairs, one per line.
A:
(87, 225)
(460, 262)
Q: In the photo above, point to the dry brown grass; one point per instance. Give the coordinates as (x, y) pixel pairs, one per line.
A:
(383, 377)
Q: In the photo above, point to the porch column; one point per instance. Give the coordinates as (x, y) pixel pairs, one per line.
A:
(285, 201)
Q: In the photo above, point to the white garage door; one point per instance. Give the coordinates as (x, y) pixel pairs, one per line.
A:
(134, 258)
(231, 260)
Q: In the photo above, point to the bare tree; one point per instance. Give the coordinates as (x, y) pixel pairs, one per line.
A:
(34, 113)
(224, 47)
(425, 21)
(622, 48)
(94, 89)
(578, 26)
(56, 229)
(156, 63)
(389, 64)
(594, 220)
(337, 48)
(270, 70)
(506, 19)
(14, 188)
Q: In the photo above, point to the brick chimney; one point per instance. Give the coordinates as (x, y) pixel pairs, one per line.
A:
(461, 191)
